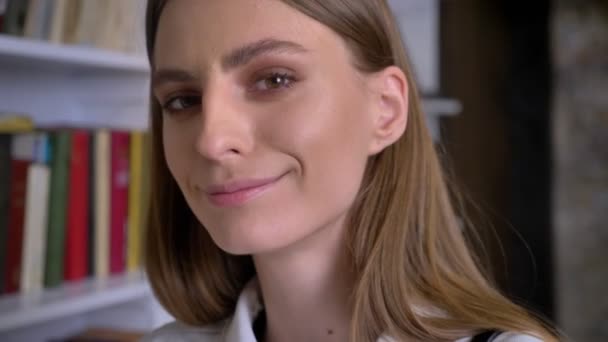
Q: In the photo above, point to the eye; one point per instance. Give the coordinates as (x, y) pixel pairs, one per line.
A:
(274, 81)
(181, 103)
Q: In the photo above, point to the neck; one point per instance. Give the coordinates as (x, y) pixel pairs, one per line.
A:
(306, 288)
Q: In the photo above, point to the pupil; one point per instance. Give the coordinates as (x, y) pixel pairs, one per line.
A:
(275, 81)
(187, 101)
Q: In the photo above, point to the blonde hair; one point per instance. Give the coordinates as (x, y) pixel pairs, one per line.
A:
(407, 247)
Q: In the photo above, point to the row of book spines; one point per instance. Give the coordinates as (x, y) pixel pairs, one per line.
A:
(102, 23)
(82, 176)
(66, 206)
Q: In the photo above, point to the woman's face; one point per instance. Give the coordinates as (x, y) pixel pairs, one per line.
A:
(266, 122)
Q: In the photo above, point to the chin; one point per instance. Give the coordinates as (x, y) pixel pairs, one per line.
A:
(249, 239)
(242, 247)
(249, 245)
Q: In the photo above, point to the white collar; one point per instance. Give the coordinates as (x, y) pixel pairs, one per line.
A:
(248, 307)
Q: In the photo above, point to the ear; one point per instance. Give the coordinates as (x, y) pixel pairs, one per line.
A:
(390, 88)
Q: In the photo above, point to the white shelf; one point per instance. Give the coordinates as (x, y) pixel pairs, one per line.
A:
(61, 85)
(435, 106)
(20, 311)
(16, 51)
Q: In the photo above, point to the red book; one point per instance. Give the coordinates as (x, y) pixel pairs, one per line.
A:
(119, 191)
(2, 14)
(16, 214)
(77, 220)
(22, 155)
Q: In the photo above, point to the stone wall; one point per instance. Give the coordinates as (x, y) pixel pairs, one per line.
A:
(580, 135)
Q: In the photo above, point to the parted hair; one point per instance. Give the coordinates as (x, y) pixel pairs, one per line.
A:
(416, 275)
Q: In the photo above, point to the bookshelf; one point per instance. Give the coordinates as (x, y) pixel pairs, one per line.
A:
(80, 87)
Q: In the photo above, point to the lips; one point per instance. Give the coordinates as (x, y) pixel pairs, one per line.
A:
(239, 192)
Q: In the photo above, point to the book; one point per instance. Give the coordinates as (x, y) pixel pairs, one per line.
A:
(90, 21)
(78, 208)
(144, 202)
(38, 19)
(112, 32)
(145, 180)
(102, 203)
(2, 12)
(92, 206)
(21, 156)
(9, 124)
(73, 9)
(58, 21)
(41, 152)
(34, 232)
(112, 25)
(5, 162)
(15, 123)
(135, 200)
(14, 17)
(60, 156)
(119, 200)
(137, 41)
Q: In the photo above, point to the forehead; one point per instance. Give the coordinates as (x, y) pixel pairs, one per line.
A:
(194, 31)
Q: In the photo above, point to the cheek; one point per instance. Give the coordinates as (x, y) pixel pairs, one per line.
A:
(332, 128)
(331, 120)
(338, 155)
(327, 133)
(175, 145)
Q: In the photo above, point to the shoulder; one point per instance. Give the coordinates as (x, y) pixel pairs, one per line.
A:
(508, 337)
(180, 332)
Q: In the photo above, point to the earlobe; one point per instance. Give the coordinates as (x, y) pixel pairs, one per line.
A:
(391, 115)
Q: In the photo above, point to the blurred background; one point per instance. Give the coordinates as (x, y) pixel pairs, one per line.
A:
(515, 93)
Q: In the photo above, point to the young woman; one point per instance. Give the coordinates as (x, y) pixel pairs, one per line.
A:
(296, 192)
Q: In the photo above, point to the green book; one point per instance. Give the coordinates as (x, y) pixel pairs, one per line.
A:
(60, 157)
(5, 180)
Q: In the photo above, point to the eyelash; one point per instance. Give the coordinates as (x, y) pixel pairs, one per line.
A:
(273, 75)
(167, 104)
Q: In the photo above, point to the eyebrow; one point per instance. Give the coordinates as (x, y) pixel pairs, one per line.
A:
(234, 59)
(171, 75)
(245, 54)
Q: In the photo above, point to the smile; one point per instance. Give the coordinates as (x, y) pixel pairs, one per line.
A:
(237, 193)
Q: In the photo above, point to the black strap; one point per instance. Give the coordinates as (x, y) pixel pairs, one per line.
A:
(259, 326)
(485, 336)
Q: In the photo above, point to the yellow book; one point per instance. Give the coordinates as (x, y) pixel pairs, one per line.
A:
(71, 19)
(102, 203)
(145, 183)
(15, 124)
(135, 214)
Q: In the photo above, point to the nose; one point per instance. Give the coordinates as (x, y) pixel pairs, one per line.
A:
(224, 129)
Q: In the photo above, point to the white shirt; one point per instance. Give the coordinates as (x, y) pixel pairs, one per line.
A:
(239, 328)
